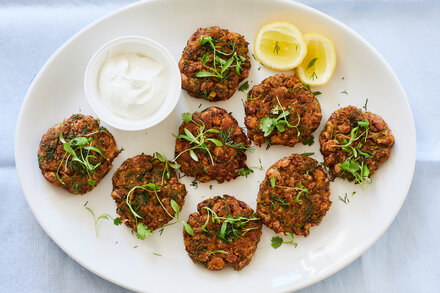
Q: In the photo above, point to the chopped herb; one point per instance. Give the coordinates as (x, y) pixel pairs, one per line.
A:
(317, 93)
(259, 68)
(158, 254)
(245, 172)
(244, 87)
(210, 187)
(277, 48)
(344, 92)
(195, 183)
(313, 76)
(311, 63)
(309, 140)
(365, 106)
(225, 137)
(306, 154)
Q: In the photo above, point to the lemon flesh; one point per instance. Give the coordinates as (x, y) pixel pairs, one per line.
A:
(319, 64)
(279, 46)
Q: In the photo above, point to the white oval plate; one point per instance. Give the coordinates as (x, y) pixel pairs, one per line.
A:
(344, 234)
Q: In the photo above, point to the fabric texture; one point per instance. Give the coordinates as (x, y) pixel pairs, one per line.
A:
(405, 259)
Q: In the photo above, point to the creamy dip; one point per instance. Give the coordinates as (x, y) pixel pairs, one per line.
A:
(133, 86)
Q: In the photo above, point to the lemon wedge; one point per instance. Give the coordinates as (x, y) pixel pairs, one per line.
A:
(319, 64)
(280, 46)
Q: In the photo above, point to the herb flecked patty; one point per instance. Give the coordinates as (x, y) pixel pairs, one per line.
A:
(213, 63)
(281, 110)
(77, 153)
(134, 184)
(226, 232)
(294, 195)
(211, 145)
(355, 143)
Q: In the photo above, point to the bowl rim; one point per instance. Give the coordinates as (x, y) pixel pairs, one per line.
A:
(173, 87)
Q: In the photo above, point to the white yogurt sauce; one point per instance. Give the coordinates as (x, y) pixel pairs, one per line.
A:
(133, 86)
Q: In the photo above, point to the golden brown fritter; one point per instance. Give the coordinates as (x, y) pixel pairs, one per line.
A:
(226, 232)
(225, 143)
(209, 75)
(138, 171)
(358, 158)
(294, 195)
(266, 103)
(77, 153)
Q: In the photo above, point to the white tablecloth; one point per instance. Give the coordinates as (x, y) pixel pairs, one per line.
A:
(406, 32)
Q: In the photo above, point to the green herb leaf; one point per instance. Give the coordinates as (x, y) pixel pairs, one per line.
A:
(186, 117)
(175, 206)
(276, 242)
(159, 157)
(215, 141)
(311, 63)
(193, 155)
(205, 74)
(245, 172)
(317, 93)
(142, 231)
(117, 221)
(188, 228)
(306, 154)
(272, 182)
(308, 140)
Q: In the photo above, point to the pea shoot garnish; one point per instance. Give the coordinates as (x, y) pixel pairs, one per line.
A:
(268, 124)
(301, 190)
(220, 66)
(116, 221)
(355, 163)
(79, 151)
(345, 199)
(231, 228)
(199, 141)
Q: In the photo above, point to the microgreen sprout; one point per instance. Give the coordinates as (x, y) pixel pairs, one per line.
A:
(355, 163)
(300, 188)
(220, 66)
(199, 141)
(116, 221)
(79, 150)
(268, 124)
(229, 229)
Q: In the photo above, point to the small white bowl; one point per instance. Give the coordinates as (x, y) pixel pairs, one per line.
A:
(143, 46)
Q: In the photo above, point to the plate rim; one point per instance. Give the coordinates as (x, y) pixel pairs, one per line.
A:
(336, 266)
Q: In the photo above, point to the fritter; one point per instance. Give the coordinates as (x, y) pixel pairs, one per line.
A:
(355, 143)
(281, 110)
(294, 195)
(77, 153)
(211, 146)
(226, 232)
(213, 63)
(146, 171)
